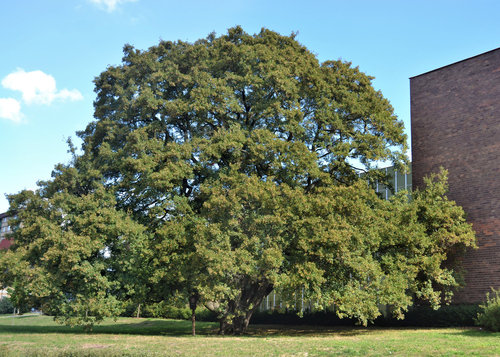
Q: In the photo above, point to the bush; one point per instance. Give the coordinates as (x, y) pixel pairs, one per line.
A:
(290, 317)
(489, 318)
(417, 316)
(204, 314)
(6, 306)
(165, 310)
(425, 316)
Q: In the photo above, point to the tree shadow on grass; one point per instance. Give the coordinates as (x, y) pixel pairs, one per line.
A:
(142, 327)
(159, 327)
(475, 332)
(304, 330)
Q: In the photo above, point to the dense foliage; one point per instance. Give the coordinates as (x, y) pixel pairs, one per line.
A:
(221, 170)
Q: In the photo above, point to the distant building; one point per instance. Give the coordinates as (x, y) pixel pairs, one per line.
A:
(399, 181)
(5, 229)
(4, 242)
(455, 123)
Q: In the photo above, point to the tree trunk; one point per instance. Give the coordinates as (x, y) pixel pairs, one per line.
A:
(222, 327)
(240, 323)
(251, 296)
(193, 322)
(138, 311)
(237, 325)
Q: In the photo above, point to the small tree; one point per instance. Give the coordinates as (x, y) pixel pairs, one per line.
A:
(70, 248)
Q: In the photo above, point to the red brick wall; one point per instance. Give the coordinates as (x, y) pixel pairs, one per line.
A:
(5, 243)
(455, 123)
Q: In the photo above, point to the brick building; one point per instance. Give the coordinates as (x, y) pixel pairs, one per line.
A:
(455, 123)
(4, 242)
(5, 229)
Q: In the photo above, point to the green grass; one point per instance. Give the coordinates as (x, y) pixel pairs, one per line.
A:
(40, 336)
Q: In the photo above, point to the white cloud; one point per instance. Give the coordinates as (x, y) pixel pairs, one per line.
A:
(10, 109)
(110, 5)
(38, 87)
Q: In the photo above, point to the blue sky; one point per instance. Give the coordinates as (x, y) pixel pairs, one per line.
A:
(51, 50)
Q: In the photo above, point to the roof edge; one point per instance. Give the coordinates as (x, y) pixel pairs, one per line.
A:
(454, 63)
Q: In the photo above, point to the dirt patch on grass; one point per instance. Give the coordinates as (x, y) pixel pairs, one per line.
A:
(17, 343)
(93, 345)
(305, 330)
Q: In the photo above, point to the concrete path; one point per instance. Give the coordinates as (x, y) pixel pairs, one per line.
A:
(23, 315)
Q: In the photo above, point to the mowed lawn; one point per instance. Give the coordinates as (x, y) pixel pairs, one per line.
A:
(40, 336)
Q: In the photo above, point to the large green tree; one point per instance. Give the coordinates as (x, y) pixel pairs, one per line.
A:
(234, 163)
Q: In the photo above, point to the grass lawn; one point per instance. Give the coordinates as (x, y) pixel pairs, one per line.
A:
(40, 336)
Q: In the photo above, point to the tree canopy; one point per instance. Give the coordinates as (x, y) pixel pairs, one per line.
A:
(223, 170)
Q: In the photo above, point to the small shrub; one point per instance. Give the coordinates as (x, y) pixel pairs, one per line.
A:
(166, 311)
(204, 314)
(489, 318)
